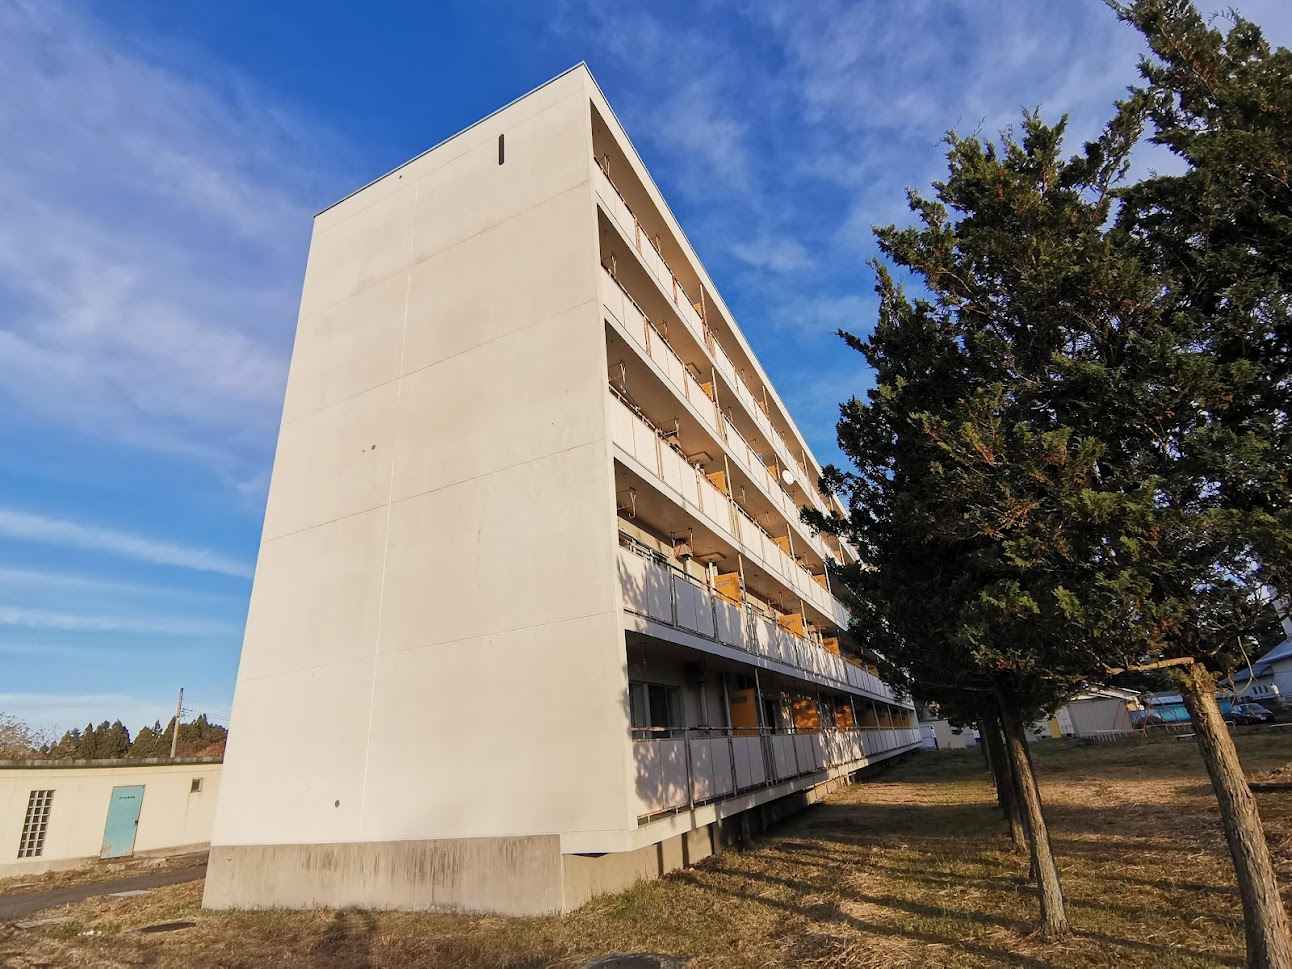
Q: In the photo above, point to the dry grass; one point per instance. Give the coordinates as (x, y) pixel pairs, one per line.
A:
(909, 869)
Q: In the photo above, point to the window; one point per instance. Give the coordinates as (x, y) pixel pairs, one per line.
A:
(655, 710)
(196, 786)
(501, 155)
(32, 842)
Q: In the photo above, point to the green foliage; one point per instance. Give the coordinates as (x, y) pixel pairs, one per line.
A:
(1077, 451)
(113, 740)
(976, 500)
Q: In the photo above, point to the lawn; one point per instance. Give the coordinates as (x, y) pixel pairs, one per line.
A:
(909, 868)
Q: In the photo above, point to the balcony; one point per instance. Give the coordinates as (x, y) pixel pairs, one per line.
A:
(689, 312)
(676, 773)
(651, 345)
(711, 507)
(665, 595)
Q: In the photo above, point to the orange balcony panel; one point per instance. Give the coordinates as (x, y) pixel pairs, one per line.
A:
(806, 715)
(728, 587)
(743, 709)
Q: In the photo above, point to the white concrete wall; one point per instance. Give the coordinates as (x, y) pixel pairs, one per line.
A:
(169, 816)
(435, 580)
(947, 740)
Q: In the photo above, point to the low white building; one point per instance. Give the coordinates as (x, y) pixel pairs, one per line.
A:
(940, 735)
(59, 814)
(1099, 712)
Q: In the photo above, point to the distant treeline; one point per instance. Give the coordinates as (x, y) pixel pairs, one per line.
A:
(113, 740)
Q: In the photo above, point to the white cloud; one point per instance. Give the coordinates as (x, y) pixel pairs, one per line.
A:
(29, 582)
(77, 622)
(54, 531)
(778, 255)
(152, 240)
(56, 712)
(829, 313)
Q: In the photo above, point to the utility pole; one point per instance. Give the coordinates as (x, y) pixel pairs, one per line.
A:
(174, 737)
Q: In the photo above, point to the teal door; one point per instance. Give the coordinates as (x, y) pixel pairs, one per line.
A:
(123, 822)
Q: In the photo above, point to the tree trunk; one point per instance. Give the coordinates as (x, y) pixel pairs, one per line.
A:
(1054, 919)
(1269, 945)
(1005, 783)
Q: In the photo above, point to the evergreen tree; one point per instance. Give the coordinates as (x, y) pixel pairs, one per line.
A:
(90, 740)
(1215, 431)
(975, 500)
(68, 745)
(1076, 455)
(146, 742)
(115, 742)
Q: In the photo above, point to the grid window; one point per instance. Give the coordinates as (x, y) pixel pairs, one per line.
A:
(32, 842)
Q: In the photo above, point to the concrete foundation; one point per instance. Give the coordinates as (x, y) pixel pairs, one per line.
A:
(512, 876)
(506, 876)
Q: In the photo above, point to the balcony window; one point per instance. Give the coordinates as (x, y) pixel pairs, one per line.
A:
(655, 711)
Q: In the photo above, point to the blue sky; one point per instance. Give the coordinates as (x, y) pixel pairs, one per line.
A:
(161, 165)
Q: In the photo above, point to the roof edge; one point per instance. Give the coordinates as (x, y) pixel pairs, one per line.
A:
(444, 141)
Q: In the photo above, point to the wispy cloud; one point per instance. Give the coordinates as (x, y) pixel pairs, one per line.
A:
(779, 255)
(825, 113)
(55, 531)
(33, 579)
(59, 711)
(77, 622)
(825, 315)
(152, 235)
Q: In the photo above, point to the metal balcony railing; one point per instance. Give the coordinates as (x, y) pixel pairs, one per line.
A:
(640, 439)
(656, 266)
(678, 769)
(622, 307)
(666, 595)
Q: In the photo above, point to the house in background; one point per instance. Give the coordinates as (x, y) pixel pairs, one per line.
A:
(1269, 679)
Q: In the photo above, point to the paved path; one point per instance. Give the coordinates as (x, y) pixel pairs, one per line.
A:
(20, 904)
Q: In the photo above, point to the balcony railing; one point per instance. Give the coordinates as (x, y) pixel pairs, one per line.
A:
(685, 768)
(623, 308)
(669, 596)
(684, 305)
(711, 506)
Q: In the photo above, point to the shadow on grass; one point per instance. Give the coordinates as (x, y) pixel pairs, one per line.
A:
(831, 913)
(348, 940)
(959, 854)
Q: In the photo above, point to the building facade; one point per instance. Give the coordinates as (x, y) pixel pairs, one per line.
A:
(61, 813)
(533, 545)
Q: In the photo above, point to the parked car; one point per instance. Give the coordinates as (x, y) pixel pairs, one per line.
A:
(1245, 714)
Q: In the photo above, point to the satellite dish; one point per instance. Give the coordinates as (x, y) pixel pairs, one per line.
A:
(787, 477)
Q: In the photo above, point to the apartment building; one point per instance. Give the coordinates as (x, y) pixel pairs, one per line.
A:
(533, 545)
